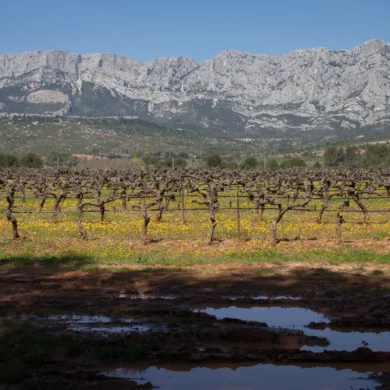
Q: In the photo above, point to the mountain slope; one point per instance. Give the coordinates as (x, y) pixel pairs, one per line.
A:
(315, 89)
(110, 136)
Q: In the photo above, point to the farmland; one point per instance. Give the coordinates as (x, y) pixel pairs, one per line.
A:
(132, 270)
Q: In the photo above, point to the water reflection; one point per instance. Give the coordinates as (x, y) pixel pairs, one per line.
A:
(291, 318)
(248, 378)
(297, 318)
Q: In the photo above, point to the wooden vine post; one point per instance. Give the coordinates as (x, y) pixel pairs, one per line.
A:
(340, 221)
(183, 206)
(238, 217)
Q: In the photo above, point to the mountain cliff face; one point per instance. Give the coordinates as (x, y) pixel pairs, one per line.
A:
(315, 89)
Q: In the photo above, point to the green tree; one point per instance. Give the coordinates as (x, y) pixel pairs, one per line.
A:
(8, 161)
(352, 155)
(272, 164)
(292, 163)
(230, 165)
(214, 160)
(334, 157)
(31, 160)
(376, 156)
(250, 163)
(176, 162)
(150, 160)
(54, 159)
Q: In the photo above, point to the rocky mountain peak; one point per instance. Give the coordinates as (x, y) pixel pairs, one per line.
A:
(313, 89)
(370, 47)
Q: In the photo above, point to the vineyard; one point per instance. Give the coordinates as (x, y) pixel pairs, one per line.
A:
(155, 206)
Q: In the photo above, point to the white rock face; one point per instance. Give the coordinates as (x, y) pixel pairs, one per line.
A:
(44, 96)
(314, 84)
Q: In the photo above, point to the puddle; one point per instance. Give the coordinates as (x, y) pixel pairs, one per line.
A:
(98, 323)
(285, 297)
(145, 296)
(262, 297)
(168, 297)
(111, 329)
(141, 295)
(298, 318)
(247, 378)
(350, 341)
(80, 319)
(231, 297)
(290, 318)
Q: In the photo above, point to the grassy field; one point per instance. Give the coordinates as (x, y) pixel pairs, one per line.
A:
(117, 241)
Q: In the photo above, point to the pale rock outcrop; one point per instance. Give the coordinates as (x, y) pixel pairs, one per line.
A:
(303, 89)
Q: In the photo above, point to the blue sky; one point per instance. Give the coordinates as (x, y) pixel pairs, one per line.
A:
(200, 29)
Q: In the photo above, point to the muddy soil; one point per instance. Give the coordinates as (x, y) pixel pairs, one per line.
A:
(141, 327)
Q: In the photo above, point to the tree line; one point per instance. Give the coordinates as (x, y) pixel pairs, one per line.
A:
(29, 160)
(369, 156)
(171, 160)
(214, 160)
(32, 160)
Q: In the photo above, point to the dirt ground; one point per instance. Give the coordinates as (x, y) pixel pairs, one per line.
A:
(169, 303)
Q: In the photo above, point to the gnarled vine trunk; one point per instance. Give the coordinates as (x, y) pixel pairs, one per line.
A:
(11, 218)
